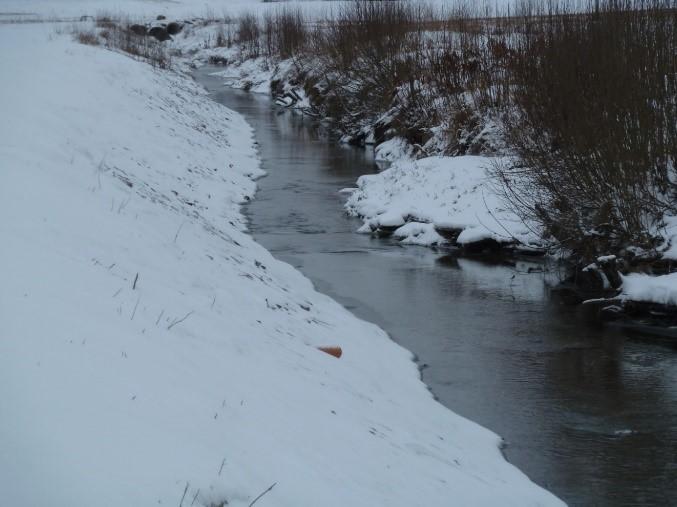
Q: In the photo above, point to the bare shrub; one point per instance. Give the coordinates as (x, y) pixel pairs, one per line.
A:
(593, 124)
(367, 52)
(88, 37)
(285, 32)
(223, 37)
(104, 20)
(249, 35)
(118, 37)
(413, 65)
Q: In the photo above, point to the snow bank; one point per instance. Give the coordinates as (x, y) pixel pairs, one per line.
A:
(447, 192)
(651, 289)
(253, 75)
(151, 352)
(669, 233)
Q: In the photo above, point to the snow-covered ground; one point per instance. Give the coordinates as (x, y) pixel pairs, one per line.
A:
(669, 234)
(151, 352)
(650, 289)
(454, 193)
(148, 8)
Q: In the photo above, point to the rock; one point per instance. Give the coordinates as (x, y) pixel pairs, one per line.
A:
(384, 231)
(483, 246)
(568, 294)
(276, 87)
(173, 28)
(590, 281)
(161, 17)
(641, 313)
(449, 233)
(218, 60)
(609, 266)
(138, 30)
(611, 312)
(381, 129)
(597, 281)
(356, 140)
(159, 33)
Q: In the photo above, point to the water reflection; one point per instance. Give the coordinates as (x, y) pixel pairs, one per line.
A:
(589, 412)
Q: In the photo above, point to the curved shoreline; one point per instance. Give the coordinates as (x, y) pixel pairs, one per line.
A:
(150, 341)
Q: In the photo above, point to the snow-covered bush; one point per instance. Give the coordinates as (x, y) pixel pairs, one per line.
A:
(593, 125)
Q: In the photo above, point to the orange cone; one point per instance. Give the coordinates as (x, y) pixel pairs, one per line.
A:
(332, 351)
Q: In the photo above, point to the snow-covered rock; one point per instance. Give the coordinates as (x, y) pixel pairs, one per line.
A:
(392, 150)
(451, 193)
(650, 289)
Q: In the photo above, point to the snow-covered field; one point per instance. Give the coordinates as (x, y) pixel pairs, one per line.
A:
(146, 8)
(151, 352)
(185, 8)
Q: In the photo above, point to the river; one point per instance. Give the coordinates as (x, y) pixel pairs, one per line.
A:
(588, 412)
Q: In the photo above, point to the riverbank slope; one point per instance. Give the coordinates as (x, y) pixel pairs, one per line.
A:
(152, 353)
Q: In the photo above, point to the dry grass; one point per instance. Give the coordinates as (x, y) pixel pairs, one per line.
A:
(88, 37)
(115, 34)
(593, 125)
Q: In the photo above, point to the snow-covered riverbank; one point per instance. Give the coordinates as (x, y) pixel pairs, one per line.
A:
(450, 193)
(151, 352)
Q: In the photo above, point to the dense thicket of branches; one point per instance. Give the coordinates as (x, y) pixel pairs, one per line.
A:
(594, 124)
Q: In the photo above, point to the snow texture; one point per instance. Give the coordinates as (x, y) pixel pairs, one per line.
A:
(393, 150)
(669, 233)
(447, 192)
(151, 352)
(208, 9)
(651, 289)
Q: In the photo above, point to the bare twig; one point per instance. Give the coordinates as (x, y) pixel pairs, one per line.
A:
(136, 278)
(184, 494)
(222, 463)
(124, 204)
(159, 317)
(101, 168)
(180, 320)
(258, 497)
(135, 307)
(178, 231)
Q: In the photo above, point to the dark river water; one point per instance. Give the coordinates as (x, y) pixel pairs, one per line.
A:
(588, 412)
